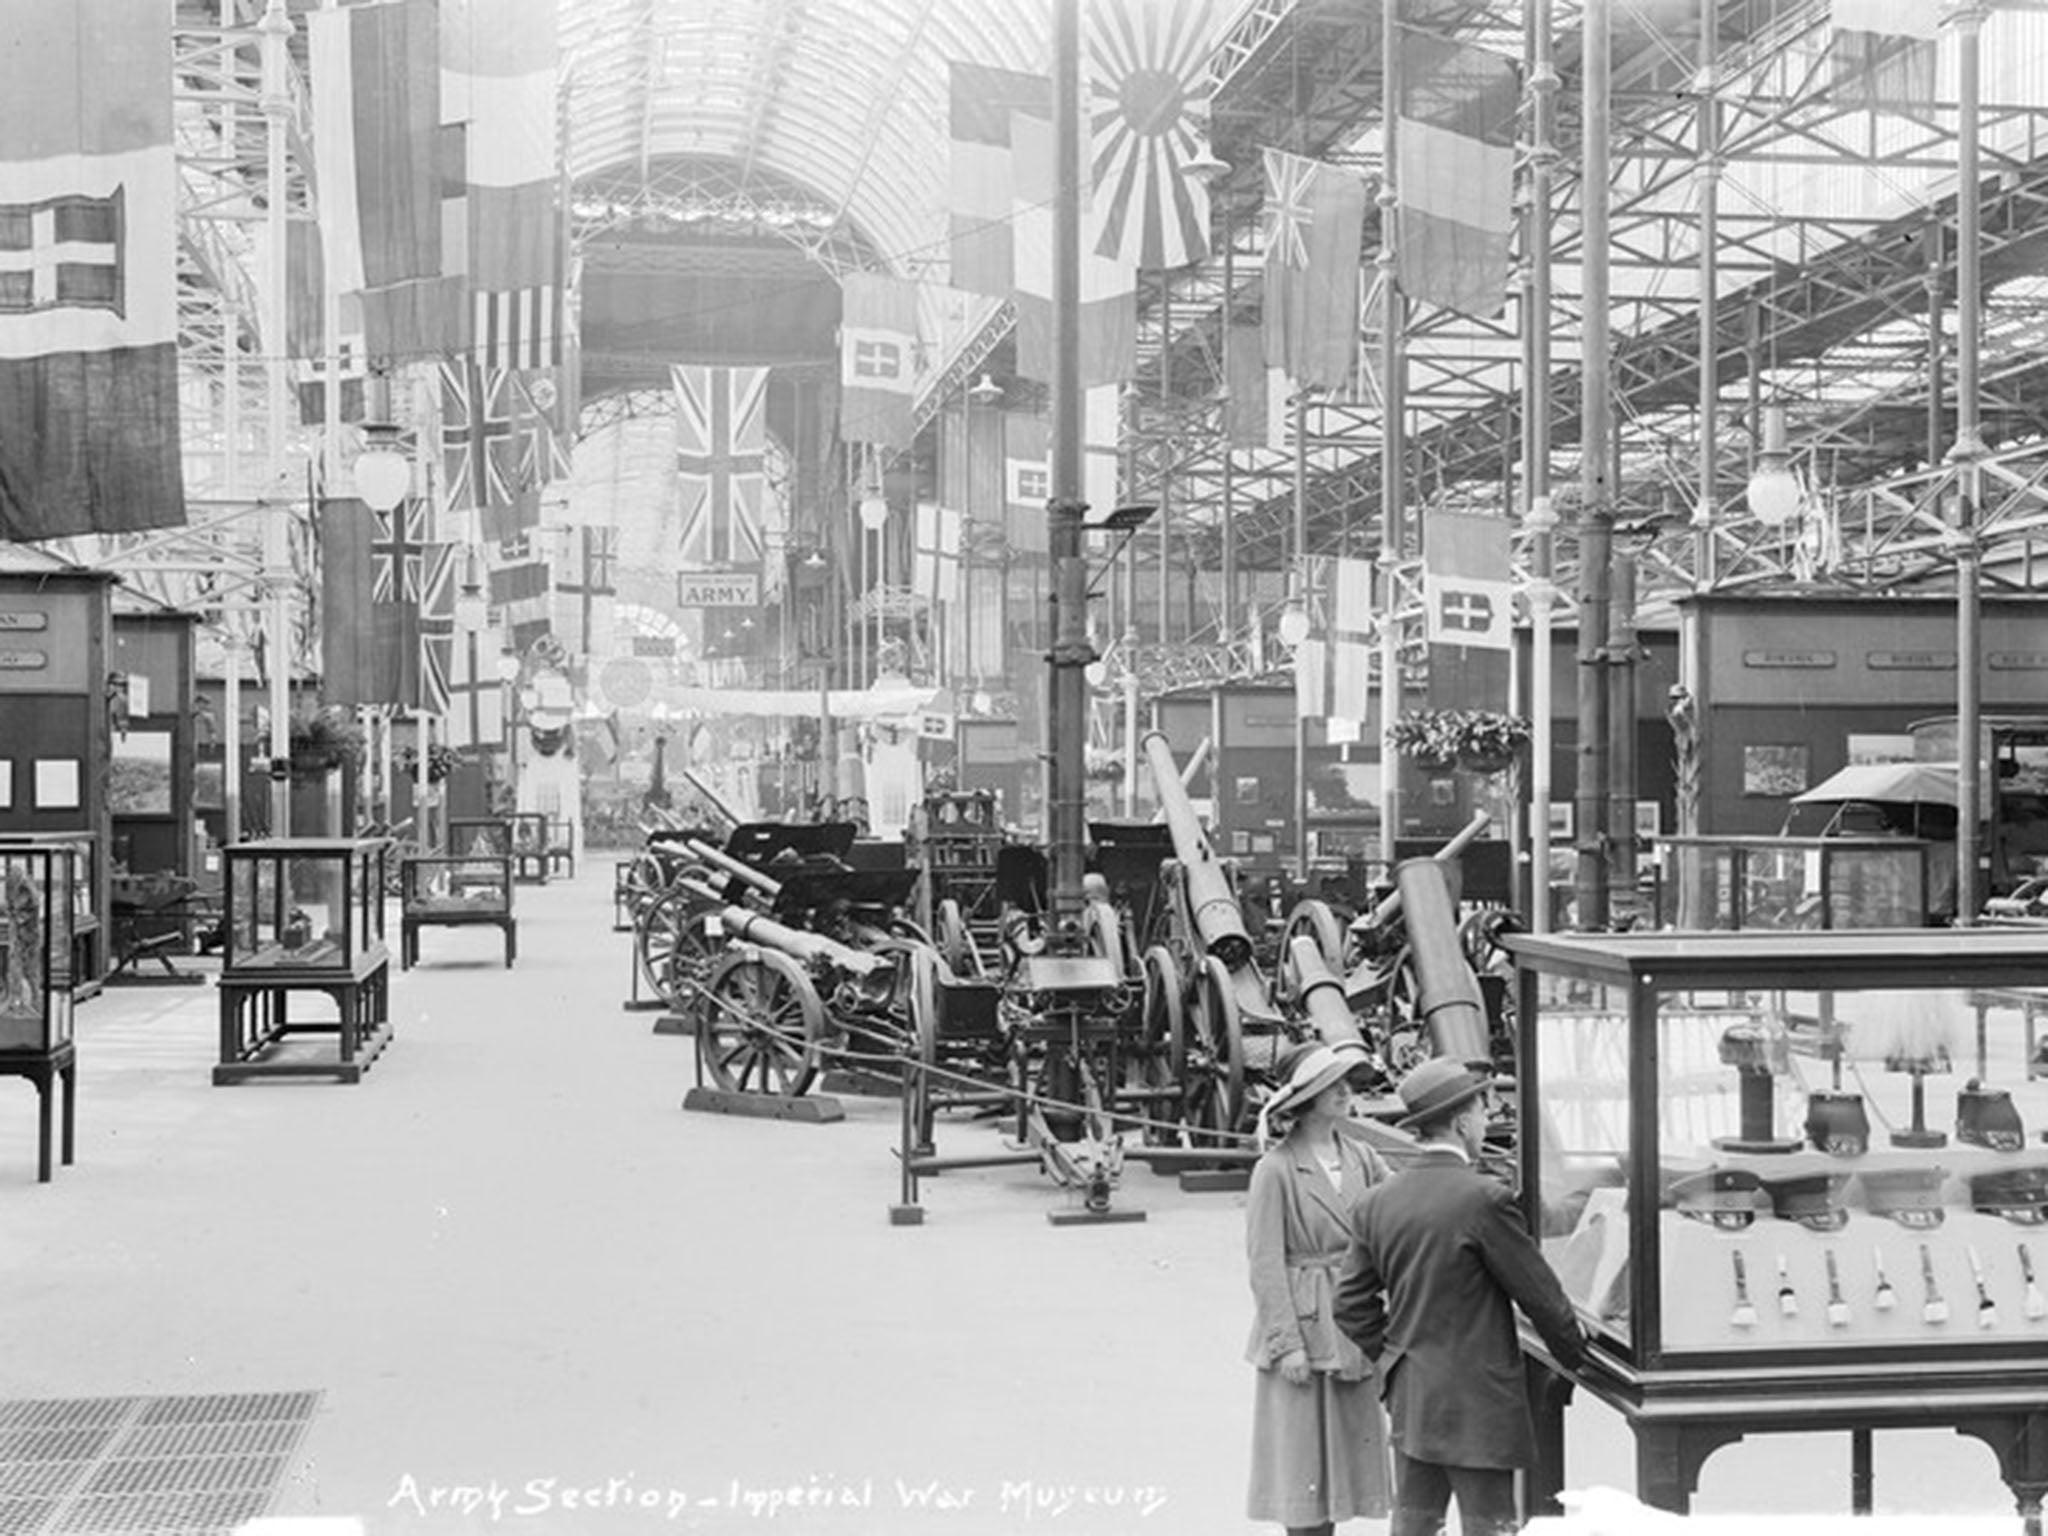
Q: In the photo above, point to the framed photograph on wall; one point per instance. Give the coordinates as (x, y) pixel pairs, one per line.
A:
(1774, 769)
(139, 783)
(1563, 825)
(1649, 818)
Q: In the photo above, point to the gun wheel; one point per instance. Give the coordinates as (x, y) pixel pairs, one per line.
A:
(761, 1025)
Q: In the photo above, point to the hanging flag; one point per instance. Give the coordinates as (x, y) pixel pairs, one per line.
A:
(485, 464)
(1454, 146)
(1312, 680)
(500, 60)
(720, 463)
(878, 347)
(436, 622)
(1314, 228)
(1256, 415)
(365, 641)
(1109, 285)
(1467, 581)
(476, 694)
(1027, 481)
(1148, 107)
(935, 560)
(306, 331)
(584, 616)
(982, 177)
(1884, 52)
(539, 418)
(1351, 637)
(88, 268)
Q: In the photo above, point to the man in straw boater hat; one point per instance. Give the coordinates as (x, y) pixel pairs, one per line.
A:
(1439, 1260)
(1319, 1435)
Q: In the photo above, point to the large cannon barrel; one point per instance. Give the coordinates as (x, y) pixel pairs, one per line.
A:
(712, 798)
(718, 858)
(1212, 903)
(1321, 993)
(1447, 993)
(798, 943)
(1465, 837)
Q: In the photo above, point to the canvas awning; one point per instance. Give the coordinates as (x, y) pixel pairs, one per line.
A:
(1886, 783)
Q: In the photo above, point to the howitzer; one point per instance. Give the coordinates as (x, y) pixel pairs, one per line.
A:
(718, 858)
(814, 949)
(1447, 1000)
(712, 798)
(1319, 994)
(1212, 904)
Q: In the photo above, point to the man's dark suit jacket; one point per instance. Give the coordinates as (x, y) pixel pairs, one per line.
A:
(1439, 1259)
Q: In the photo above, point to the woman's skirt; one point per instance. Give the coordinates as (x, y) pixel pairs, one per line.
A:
(1319, 1452)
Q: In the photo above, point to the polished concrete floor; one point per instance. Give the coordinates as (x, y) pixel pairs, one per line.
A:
(534, 1294)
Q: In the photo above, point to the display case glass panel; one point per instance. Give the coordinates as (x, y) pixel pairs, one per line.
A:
(1714, 883)
(529, 834)
(37, 902)
(304, 904)
(449, 886)
(84, 868)
(1790, 1145)
(479, 836)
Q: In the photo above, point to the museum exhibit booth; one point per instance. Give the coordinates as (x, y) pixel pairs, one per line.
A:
(1793, 1181)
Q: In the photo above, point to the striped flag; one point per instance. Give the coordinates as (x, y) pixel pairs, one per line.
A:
(1468, 581)
(878, 356)
(1314, 228)
(1109, 292)
(721, 469)
(1148, 116)
(500, 65)
(982, 177)
(1455, 164)
(88, 267)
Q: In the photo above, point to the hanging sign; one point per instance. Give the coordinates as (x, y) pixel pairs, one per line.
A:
(718, 589)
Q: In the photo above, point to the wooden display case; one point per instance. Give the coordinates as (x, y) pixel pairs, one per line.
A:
(450, 892)
(529, 847)
(38, 902)
(1792, 1180)
(303, 915)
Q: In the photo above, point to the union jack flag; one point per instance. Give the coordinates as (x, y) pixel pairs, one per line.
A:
(437, 626)
(543, 438)
(487, 461)
(1288, 214)
(721, 469)
(397, 548)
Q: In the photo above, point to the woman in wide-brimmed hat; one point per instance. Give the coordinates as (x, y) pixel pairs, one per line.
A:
(1319, 1435)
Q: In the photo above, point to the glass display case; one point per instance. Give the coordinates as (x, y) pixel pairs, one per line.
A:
(86, 965)
(38, 902)
(304, 904)
(529, 846)
(439, 886)
(1789, 1147)
(1791, 882)
(479, 836)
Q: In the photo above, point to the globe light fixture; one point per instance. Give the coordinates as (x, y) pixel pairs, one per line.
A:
(874, 512)
(1294, 625)
(1774, 494)
(472, 610)
(1097, 673)
(981, 701)
(383, 474)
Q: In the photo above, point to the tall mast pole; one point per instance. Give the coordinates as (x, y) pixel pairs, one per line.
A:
(1596, 488)
(1536, 471)
(1968, 456)
(1071, 651)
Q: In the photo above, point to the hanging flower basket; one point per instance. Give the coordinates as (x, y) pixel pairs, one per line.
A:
(440, 762)
(324, 740)
(1491, 742)
(1428, 738)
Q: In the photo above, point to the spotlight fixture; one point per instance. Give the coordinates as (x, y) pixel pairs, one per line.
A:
(986, 391)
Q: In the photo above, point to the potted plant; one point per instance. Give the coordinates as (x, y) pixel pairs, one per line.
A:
(1490, 741)
(440, 761)
(324, 740)
(1430, 738)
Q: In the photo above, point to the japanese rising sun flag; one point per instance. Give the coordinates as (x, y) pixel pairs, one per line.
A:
(88, 268)
(1148, 116)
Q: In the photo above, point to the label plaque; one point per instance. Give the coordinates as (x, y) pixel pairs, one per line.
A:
(1778, 658)
(22, 623)
(1911, 661)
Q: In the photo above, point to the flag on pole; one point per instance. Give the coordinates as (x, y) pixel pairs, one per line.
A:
(368, 644)
(1109, 291)
(720, 464)
(1884, 51)
(935, 561)
(501, 63)
(1148, 109)
(476, 694)
(878, 345)
(1027, 481)
(981, 186)
(1467, 581)
(436, 627)
(483, 459)
(1351, 637)
(1454, 145)
(585, 591)
(89, 438)
(1314, 229)
(1256, 414)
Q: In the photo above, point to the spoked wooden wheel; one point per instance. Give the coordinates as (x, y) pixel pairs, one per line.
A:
(923, 1045)
(760, 1025)
(645, 883)
(1213, 1085)
(1311, 919)
(956, 941)
(697, 940)
(1158, 1060)
(657, 929)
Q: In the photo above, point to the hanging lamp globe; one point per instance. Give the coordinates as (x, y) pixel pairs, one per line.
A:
(1774, 493)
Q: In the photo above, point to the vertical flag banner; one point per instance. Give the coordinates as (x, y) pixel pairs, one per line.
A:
(476, 694)
(721, 467)
(1109, 292)
(1455, 168)
(436, 622)
(981, 182)
(878, 360)
(1351, 638)
(935, 561)
(88, 269)
(1312, 680)
(1027, 481)
(1314, 229)
(1148, 116)
(1256, 415)
(500, 66)
(365, 636)
(1884, 51)
(584, 591)
(1468, 580)
(484, 462)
